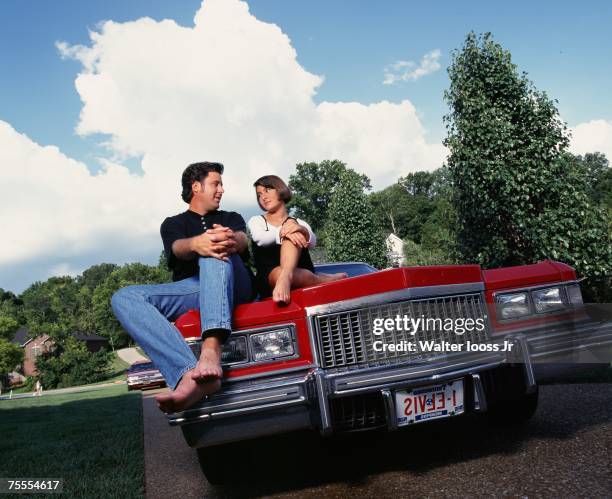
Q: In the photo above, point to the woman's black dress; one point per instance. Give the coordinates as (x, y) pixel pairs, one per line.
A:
(267, 258)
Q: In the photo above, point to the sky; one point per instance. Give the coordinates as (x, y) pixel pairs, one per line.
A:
(103, 103)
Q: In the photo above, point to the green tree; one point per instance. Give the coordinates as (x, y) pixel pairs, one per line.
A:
(96, 274)
(351, 234)
(10, 357)
(415, 254)
(51, 307)
(411, 205)
(87, 283)
(599, 178)
(129, 274)
(72, 364)
(8, 327)
(11, 306)
(438, 231)
(396, 211)
(165, 274)
(313, 185)
(518, 199)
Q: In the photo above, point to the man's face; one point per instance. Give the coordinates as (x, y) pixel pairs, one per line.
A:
(209, 191)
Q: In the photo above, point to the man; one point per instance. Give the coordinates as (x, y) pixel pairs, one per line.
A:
(203, 246)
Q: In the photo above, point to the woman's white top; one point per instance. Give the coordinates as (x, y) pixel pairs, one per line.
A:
(264, 233)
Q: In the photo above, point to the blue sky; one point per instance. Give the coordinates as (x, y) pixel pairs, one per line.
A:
(564, 47)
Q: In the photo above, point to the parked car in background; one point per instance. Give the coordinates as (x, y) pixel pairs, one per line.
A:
(332, 360)
(143, 375)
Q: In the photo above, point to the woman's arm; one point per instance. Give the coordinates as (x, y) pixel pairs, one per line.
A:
(262, 234)
(307, 237)
(310, 235)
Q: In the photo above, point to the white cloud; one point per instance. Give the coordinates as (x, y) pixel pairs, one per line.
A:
(228, 89)
(409, 71)
(593, 136)
(63, 269)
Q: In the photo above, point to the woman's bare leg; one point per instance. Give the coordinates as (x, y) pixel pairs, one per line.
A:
(287, 276)
(281, 278)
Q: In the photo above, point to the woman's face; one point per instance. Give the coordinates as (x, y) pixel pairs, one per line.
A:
(268, 198)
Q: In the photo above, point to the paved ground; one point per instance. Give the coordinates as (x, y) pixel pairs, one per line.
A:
(130, 355)
(565, 451)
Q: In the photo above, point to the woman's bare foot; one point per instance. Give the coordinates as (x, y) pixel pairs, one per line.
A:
(187, 393)
(332, 277)
(282, 289)
(209, 364)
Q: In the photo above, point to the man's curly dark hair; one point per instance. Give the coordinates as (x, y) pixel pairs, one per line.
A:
(197, 172)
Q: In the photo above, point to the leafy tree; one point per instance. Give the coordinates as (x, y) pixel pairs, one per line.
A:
(599, 178)
(10, 356)
(415, 254)
(132, 273)
(350, 230)
(396, 211)
(87, 283)
(51, 307)
(313, 185)
(11, 306)
(72, 364)
(418, 208)
(438, 233)
(96, 274)
(8, 327)
(165, 274)
(518, 198)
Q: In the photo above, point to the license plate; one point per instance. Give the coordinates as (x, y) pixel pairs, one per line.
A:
(429, 402)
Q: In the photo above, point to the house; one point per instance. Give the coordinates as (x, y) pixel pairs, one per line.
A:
(35, 347)
(395, 250)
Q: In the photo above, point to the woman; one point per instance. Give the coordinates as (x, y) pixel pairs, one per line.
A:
(281, 243)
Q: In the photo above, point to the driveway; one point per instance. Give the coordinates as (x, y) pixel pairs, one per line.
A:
(565, 451)
(130, 355)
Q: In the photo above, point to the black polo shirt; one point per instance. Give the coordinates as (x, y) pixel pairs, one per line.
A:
(190, 224)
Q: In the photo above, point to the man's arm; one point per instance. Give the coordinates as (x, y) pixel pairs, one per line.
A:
(229, 241)
(242, 242)
(217, 244)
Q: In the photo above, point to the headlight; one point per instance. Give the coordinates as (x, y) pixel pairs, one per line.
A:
(574, 295)
(546, 300)
(271, 345)
(234, 350)
(511, 306)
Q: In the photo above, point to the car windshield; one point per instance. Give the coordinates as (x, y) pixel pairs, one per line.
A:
(142, 367)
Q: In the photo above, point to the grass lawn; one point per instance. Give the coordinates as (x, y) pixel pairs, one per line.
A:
(117, 369)
(93, 440)
(117, 372)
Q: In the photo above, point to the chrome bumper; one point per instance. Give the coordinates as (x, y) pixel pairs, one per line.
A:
(266, 406)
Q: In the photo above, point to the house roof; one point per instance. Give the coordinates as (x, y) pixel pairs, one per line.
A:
(394, 237)
(21, 337)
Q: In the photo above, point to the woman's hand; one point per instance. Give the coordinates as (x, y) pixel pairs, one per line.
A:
(289, 227)
(297, 238)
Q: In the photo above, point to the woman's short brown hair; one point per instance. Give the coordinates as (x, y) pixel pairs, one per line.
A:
(276, 183)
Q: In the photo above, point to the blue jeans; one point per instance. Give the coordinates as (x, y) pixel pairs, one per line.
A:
(145, 311)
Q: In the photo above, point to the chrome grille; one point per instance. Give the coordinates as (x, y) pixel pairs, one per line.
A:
(346, 338)
(358, 413)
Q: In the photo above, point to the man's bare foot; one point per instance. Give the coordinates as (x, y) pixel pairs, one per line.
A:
(187, 393)
(282, 289)
(209, 364)
(332, 277)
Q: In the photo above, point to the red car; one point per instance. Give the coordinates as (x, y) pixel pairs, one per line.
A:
(392, 348)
